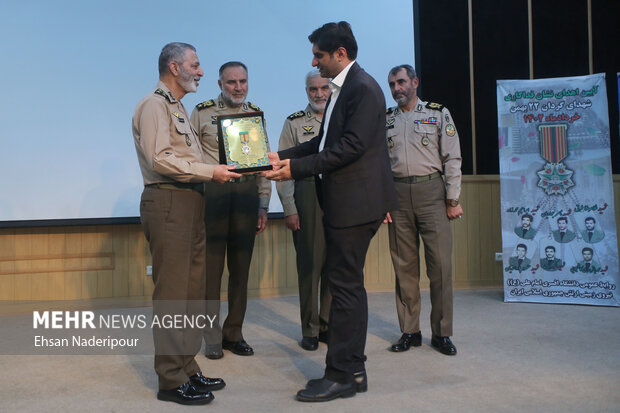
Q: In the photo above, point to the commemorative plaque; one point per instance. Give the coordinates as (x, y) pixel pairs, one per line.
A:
(243, 141)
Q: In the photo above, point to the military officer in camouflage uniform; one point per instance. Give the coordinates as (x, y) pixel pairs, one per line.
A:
(303, 216)
(426, 162)
(234, 213)
(171, 210)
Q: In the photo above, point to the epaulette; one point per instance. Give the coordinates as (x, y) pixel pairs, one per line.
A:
(253, 106)
(434, 106)
(205, 104)
(389, 111)
(296, 115)
(161, 92)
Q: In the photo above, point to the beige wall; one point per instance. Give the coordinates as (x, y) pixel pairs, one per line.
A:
(68, 263)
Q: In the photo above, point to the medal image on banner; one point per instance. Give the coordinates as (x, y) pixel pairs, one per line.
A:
(243, 141)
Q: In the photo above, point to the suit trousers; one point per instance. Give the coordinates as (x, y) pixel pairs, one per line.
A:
(172, 221)
(422, 212)
(231, 215)
(348, 317)
(309, 243)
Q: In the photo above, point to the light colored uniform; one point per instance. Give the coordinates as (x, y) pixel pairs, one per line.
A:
(171, 211)
(299, 197)
(231, 214)
(424, 147)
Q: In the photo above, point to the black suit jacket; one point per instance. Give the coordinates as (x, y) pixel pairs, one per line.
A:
(357, 185)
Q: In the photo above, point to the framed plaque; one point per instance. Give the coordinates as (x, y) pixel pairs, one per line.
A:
(243, 141)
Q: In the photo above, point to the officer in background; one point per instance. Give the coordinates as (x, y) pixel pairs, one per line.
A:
(171, 211)
(234, 213)
(426, 162)
(304, 217)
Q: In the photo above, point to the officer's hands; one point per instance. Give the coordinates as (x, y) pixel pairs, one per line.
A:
(454, 212)
(292, 222)
(262, 221)
(281, 170)
(273, 157)
(223, 173)
(387, 219)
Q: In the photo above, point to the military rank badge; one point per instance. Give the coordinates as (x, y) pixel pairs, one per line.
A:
(390, 142)
(554, 178)
(188, 141)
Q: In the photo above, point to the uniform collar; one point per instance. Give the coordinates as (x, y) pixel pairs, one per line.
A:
(221, 105)
(310, 113)
(161, 85)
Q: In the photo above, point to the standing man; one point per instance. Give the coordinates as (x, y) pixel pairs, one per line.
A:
(234, 213)
(304, 217)
(426, 163)
(171, 210)
(351, 166)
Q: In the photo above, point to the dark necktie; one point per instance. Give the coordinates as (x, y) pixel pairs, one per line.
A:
(519, 261)
(561, 236)
(587, 266)
(524, 231)
(589, 235)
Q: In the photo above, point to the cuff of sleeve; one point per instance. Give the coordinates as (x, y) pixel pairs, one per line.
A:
(289, 209)
(263, 203)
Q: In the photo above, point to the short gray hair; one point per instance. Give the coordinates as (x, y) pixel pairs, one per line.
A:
(312, 74)
(172, 52)
(408, 68)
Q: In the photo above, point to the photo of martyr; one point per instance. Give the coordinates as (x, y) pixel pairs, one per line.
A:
(563, 234)
(588, 264)
(519, 262)
(550, 262)
(592, 234)
(525, 230)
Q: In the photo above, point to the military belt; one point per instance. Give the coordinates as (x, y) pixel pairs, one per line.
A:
(416, 179)
(179, 186)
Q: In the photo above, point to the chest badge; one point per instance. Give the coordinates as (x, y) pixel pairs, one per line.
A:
(188, 141)
(425, 141)
(308, 129)
(390, 142)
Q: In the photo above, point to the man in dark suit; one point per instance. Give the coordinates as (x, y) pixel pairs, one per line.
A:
(355, 189)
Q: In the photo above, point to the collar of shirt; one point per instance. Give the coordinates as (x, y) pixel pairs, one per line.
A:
(337, 82)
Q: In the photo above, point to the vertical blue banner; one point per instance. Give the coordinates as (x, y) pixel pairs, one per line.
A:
(558, 224)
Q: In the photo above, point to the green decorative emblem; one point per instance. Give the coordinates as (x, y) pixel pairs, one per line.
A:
(425, 141)
(555, 179)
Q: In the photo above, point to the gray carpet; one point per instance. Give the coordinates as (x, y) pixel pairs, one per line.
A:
(511, 358)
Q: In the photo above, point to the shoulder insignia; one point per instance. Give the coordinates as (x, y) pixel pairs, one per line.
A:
(389, 111)
(206, 104)
(253, 106)
(161, 92)
(296, 115)
(434, 106)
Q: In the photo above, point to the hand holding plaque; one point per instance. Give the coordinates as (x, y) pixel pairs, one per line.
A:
(243, 141)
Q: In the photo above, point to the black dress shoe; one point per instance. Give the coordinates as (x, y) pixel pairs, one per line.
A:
(205, 384)
(214, 354)
(324, 390)
(185, 394)
(309, 343)
(361, 381)
(324, 336)
(240, 348)
(444, 345)
(407, 340)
